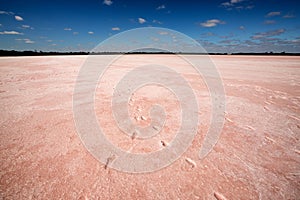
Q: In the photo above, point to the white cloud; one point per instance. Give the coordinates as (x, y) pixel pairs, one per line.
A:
(231, 3)
(161, 7)
(107, 2)
(91, 32)
(236, 4)
(75, 33)
(115, 28)
(212, 23)
(141, 20)
(18, 18)
(226, 4)
(272, 14)
(67, 29)
(10, 33)
(236, 1)
(289, 16)
(266, 34)
(27, 41)
(242, 28)
(5, 13)
(27, 27)
(157, 22)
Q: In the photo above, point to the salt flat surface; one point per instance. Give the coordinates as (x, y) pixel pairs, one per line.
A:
(257, 155)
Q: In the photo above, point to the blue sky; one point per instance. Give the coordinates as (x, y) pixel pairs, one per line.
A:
(218, 25)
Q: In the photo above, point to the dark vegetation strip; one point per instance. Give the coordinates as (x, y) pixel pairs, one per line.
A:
(52, 53)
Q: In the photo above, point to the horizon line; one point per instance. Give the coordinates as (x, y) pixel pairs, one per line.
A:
(41, 53)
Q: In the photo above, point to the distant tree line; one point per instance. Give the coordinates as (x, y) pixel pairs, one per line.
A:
(37, 53)
(43, 53)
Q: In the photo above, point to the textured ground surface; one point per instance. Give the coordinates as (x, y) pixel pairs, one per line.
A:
(256, 157)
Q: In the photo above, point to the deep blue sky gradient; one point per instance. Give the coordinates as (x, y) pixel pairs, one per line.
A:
(244, 25)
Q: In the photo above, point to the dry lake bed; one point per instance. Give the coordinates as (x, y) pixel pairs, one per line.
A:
(257, 155)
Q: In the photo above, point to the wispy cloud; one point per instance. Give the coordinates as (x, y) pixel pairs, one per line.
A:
(75, 33)
(236, 4)
(27, 41)
(289, 16)
(67, 29)
(161, 7)
(258, 36)
(262, 45)
(3, 12)
(249, 7)
(230, 41)
(272, 14)
(157, 22)
(6, 13)
(268, 22)
(230, 35)
(27, 27)
(208, 34)
(212, 23)
(107, 2)
(236, 1)
(242, 28)
(115, 28)
(141, 20)
(91, 32)
(10, 33)
(231, 3)
(18, 18)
